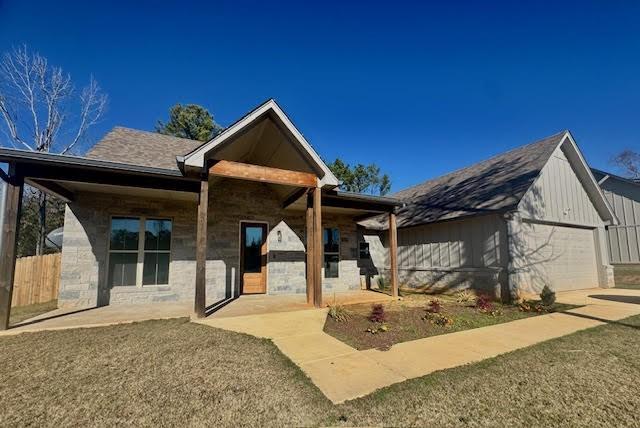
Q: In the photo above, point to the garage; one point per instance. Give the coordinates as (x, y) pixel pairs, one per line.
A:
(562, 257)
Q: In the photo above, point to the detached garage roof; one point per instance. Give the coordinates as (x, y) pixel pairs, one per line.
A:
(492, 186)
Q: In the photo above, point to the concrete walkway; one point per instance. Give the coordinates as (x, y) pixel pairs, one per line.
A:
(63, 319)
(344, 373)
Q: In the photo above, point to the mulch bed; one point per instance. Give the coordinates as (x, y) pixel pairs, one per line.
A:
(405, 321)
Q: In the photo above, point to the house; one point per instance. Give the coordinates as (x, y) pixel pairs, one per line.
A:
(153, 218)
(506, 226)
(623, 195)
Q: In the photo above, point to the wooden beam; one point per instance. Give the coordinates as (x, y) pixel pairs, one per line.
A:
(11, 194)
(317, 247)
(201, 250)
(310, 250)
(393, 253)
(264, 174)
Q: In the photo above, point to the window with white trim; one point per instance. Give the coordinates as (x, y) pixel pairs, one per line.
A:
(331, 240)
(139, 251)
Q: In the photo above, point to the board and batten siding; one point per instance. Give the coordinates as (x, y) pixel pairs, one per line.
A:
(559, 196)
(472, 243)
(624, 239)
(466, 253)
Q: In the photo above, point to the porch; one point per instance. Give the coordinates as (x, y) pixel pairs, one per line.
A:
(248, 305)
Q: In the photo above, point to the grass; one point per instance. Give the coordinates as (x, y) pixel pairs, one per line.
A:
(406, 320)
(174, 373)
(22, 313)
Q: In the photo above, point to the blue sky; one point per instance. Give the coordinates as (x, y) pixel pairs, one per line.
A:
(419, 89)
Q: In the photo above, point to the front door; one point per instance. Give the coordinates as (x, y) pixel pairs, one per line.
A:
(253, 258)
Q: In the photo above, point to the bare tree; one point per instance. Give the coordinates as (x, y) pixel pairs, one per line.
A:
(629, 162)
(41, 112)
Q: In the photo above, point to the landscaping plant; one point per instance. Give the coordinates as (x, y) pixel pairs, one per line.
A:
(435, 306)
(465, 296)
(547, 296)
(338, 313)
(484, 303)
(440, 319)
(377, 313)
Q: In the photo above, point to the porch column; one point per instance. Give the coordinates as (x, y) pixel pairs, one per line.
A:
(10, 199)
(393, 253)
(310, 249)
(317, 245)
(201, 250)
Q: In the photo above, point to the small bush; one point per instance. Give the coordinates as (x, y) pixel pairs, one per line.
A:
(465, 296)
(377, 313)
(547, 296)
(375, 330)
(382, 284)
(528, 306)
(338, 313)
(439, 319)
(484, 304)
(435, 306)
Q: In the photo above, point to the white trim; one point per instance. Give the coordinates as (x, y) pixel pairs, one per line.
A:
(196, 159)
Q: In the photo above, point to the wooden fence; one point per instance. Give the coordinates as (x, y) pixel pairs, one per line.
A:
(36, 280)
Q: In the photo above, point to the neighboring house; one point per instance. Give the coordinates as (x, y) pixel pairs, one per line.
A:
(507, 226)
(153, 218)
(623, 195)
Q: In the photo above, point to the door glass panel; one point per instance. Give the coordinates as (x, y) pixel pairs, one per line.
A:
(253, 239)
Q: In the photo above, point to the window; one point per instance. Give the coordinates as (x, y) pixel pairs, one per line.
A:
(331, 240)
(139, 256)
(157, 243)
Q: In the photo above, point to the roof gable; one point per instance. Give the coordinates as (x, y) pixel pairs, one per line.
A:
(249, 124)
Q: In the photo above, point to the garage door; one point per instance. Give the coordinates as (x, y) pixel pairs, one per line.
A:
(563, 257)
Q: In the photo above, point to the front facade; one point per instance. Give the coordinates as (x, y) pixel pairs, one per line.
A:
(152, 218)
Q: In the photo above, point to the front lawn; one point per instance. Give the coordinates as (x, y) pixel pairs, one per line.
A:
(174, 373)
(408, 319)
(22, 313)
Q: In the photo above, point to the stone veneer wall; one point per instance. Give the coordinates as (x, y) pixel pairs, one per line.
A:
(86, 233)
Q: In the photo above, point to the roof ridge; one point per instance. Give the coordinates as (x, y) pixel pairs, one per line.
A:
(456, 171)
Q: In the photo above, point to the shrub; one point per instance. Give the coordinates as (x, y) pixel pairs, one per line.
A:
(382, 284)
(547, 296)
(377, 313)
(465, 296)
(375, 330)
(435, 306)
(440, 319)
(484, 303)
(338, 313)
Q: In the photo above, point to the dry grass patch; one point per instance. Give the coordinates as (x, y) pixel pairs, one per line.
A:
(174, 373)
(22, 313)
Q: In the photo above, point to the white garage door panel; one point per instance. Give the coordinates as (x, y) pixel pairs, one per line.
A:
(563, 257)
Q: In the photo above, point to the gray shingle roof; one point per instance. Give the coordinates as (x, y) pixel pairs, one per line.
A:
(144, 148)
(494, 185)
